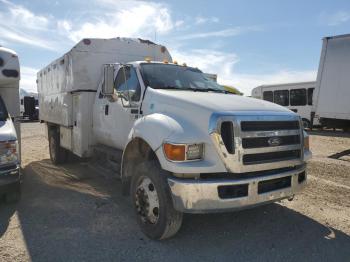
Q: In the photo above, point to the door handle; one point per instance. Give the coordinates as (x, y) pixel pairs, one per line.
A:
(106, 109)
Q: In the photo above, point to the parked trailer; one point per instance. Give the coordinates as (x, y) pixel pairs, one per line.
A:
(332, 95)
(30, 108)
(182, 144)
(298, 97)
(10, 136)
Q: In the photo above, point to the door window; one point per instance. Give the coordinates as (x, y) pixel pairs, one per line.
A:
(298, 97)
(127, 84)
(268, 96)
(281, 97)
(310, 92)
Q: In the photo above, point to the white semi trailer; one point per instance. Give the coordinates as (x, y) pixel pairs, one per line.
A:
(184, 145)
(9, 125)
(332, 94)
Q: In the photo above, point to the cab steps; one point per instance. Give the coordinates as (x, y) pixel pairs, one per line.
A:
(107, 161)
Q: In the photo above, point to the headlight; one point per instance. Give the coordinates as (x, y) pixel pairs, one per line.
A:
(306, 141)
(8, 152)
(183, 152)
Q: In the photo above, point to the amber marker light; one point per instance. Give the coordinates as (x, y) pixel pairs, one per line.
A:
(175, 152)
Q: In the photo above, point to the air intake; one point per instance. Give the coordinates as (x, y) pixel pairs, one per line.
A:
(227, 135)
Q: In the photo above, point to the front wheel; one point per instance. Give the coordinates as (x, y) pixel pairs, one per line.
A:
(152, 202)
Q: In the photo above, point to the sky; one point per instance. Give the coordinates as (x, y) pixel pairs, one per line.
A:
(246, 43)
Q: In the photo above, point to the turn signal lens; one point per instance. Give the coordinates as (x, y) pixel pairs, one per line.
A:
(175, 152)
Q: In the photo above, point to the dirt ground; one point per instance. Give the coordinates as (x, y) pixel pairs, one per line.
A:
(74, 213)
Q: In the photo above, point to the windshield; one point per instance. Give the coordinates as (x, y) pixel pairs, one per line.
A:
(3, 111)
(167, 76)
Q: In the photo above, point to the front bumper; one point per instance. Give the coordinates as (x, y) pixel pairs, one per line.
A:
(202, 196)
(10, 178)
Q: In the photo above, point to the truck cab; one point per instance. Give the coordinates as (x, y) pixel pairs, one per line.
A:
(180, 141)
(216, 146)
(9, 126)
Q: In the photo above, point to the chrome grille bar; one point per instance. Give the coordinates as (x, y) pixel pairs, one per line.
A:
(234, 162)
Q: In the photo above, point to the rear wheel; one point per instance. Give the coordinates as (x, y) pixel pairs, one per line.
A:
(152, 202)
(58, 155)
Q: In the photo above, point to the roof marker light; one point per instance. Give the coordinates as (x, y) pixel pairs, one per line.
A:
(175, 62)
(148, 59)
(184, 64)
(87, 41)
(165, 61)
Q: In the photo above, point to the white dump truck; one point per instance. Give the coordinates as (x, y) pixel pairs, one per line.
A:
(9, 125)
(183, 143)
(332, 93)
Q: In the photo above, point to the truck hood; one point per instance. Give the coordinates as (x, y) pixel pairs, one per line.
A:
(212, 101)
(7, 131)
(187, 114)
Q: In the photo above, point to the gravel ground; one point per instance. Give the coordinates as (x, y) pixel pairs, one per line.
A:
(72, 213)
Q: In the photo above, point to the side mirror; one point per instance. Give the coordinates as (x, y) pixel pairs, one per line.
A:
(108, 86)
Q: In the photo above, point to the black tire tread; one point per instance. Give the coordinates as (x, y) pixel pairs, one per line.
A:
(173, 221)
(61, 153)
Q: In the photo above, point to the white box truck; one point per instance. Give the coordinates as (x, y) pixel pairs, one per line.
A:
(184, 145)
(9, 125)
(332, 93)
(297, 97)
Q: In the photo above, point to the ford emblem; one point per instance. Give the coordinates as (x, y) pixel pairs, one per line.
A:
(274, 141)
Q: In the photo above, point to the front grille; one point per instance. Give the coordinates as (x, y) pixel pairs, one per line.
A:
(249, 143)
(7, 167)
(263, 158)
(256, 142)
(269, 125)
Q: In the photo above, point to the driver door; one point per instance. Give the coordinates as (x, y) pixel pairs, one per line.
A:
(122, 109)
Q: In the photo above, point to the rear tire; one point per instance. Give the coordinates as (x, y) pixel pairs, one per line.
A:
(58, 155)
(152, 202)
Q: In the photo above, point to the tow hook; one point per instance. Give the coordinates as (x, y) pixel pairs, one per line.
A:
(291, 198)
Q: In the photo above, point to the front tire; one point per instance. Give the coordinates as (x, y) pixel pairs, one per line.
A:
(152, 202)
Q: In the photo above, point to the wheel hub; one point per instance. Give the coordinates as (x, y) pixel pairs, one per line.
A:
(147, 203)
